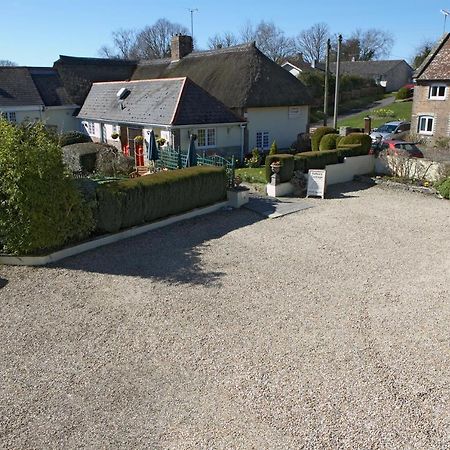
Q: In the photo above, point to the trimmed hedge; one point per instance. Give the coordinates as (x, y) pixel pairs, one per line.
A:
(287, 166)
(315, 160)
(73, 137)
(351, 150)
(363, 140)
(139, 200)
(329, 142)
(317, 136)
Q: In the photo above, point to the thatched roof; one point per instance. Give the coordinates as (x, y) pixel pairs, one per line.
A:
(174, 101)
(240, 76)
(368, 69)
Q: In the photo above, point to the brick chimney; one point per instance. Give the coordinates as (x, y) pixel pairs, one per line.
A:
(180, 46)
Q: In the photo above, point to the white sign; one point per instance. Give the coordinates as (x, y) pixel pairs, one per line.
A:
(316, 183)
(294, 112)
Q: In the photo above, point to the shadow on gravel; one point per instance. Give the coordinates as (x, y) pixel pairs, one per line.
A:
(172, 254)
(344, 189)
(3, 282)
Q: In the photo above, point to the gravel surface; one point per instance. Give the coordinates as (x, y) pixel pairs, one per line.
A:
(328, 328)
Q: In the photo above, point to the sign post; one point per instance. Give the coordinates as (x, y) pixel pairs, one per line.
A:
(316, 183)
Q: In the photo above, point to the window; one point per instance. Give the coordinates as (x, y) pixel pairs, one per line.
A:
(425, 125)
(262, 140)
(10, 116)
(206, 137)
(90, 127)
(437, 92)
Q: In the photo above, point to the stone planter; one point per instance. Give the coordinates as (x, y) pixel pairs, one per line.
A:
(238, 196)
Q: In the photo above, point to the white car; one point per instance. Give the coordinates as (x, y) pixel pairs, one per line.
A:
(390, 130)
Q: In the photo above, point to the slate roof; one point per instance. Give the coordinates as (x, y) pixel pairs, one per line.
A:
(78, 74)
(31, 86)
(436, 65)
(17, 88)
(367, 69)
(240, 76)
(176, 101)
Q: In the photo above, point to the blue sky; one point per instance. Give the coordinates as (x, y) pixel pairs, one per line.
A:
(35, 32)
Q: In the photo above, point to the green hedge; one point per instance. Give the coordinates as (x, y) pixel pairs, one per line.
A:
(317, 136)
(136, 201)
(73, 137)
(287, 166)
(315, 160)
(443, 188)
(351, 150)
(329, 142)
(364, 140)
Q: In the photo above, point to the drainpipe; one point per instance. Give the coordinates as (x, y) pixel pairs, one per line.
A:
(243, 125)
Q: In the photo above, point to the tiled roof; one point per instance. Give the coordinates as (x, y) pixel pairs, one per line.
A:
(176, 101)
(436, 65)
(367, 69)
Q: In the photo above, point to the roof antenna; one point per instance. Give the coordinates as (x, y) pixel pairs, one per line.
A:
(192, 11)
(446, 13)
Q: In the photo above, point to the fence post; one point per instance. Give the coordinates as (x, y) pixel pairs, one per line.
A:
(179, 162)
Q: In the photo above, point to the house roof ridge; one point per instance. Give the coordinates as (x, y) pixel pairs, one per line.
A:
(418, 72)
(141, 81)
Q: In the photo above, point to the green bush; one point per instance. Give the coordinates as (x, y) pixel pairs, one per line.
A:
(139, 200)
(287, 166)
(317, 136)
(328, 142)
(41, 207)
(273, 148)
(403, 93)
(351, 150)
(315, 160)
(73, 137)
(364, 140)
(443, 187)
(338, 140)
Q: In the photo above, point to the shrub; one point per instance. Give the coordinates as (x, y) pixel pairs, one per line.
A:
(135, 201)
(338, 140)
(328, 142)
(318, 135)
(351, 150)
(73, 137)
(254, 160)
(383, 113)
(112, 162)
(273, 148)
(403, 93)
(41, 208)
(443, 187)
(303, 143)
(287, 166)
(315, 160)
(80, 157)
(364, 140)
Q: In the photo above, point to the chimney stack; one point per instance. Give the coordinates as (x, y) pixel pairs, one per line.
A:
(180, 46)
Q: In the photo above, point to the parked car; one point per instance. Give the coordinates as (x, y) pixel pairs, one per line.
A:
(402, 148)
(391, 130)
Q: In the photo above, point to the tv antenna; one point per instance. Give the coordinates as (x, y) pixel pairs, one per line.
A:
(192, 11)
(446, 13)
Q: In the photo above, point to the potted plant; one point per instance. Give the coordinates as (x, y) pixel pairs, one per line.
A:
(115, 135)
(160, 141)
(237, 195)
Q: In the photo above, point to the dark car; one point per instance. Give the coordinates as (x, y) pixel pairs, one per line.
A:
(402, 148)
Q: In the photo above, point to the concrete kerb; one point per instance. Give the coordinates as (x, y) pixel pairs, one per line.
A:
(105, 240)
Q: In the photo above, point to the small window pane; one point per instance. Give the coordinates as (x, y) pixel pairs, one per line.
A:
(211, 137)
(430, 124)
(201, 138)
(441, 91)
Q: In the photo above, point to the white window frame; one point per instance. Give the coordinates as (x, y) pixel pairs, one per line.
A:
(262, 137)
(436, 96)
(90, 127)
(10, 116)
(210, 138)
(427, 118)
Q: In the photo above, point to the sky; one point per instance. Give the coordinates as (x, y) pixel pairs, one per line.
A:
(36, 32)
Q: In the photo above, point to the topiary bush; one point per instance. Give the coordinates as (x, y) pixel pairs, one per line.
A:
(273, 148)
(364, 140)
(317, 136)
(315, 160)
(338, 140)
(287, 166)
(135, 201)
(403, 93)
(41, 208)
(352, 150)
(443, 187)
(328, 142)
(73, 137)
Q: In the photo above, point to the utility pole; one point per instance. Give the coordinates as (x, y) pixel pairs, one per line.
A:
(192, 11)
(327, 76)
(336, 92)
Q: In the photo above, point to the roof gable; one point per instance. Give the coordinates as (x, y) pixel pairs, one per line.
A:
(436, 65)
(17, 88)
(175, 101)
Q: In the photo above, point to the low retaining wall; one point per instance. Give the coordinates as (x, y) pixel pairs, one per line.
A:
(356, 165)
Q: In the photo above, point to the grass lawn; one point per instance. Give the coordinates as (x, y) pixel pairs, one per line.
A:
(252, 175)
(401, 110)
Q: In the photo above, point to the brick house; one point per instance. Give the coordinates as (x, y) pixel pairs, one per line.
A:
(431, 104)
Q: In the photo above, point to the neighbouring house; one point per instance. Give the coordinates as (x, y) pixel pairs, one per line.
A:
(174, 108)
(431, 102)
(36, 93)
(296, 65)
(390, 74)
(274, 103)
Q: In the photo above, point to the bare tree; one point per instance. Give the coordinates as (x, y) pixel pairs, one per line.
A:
(152, 42)
(373, 43)
(7, 62)
(222, 40)
(312, 43)
(270, 39)
(421, 52)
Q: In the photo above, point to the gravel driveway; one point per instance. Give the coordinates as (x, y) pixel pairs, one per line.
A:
(328, 328)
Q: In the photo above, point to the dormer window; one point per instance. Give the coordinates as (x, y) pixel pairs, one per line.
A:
(438, 92)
